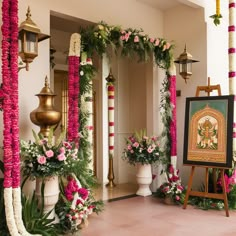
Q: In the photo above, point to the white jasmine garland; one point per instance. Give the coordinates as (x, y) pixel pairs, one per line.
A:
(75, 41)
(18, 212)
(11, 224)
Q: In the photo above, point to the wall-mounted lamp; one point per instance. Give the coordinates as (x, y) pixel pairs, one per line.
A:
(28, 39)
(185, 61)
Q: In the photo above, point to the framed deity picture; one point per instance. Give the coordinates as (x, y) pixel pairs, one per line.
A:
(208, 134)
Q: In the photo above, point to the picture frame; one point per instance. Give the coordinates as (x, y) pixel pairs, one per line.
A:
(208, 133)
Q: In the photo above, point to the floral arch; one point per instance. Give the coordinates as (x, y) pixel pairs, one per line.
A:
(100, 39)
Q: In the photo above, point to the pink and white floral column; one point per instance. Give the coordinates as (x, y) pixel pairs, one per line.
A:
(232, 66)
(11, 152)
(172, 90)
(111, 126)
(73, 88)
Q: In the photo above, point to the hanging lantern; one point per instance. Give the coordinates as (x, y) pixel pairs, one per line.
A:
(185, 61)
(29, 37)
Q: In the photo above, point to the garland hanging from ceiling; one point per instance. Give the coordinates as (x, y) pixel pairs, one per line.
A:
(11, 151)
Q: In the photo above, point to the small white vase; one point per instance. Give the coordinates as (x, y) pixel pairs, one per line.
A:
(51, 194)
(144, 179)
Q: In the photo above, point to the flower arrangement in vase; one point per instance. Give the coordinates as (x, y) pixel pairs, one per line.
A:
(75, 205)
(141, 149)
(172, 190)
(45, 157)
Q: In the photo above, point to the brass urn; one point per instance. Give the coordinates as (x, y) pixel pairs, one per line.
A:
(45, 116)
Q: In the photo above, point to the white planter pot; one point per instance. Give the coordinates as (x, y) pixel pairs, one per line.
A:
(51, 194)
(144, 179)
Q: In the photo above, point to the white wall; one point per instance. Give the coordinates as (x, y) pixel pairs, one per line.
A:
(186, 25)
(217, 47)
(112, 12)
(208, 44)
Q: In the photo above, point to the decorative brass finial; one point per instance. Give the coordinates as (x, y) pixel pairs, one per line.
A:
(28, 14)
(110, 78)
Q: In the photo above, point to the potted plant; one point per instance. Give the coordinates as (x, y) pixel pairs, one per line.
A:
(142, 151)
(45, 160)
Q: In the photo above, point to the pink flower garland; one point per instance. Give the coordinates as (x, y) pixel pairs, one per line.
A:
(10, 87)
(7, 154)
(172, 90)
(73, 94)
(14, 94)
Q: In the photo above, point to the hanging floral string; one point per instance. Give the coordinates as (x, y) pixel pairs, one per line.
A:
(73, 88)
(11, 157)
(216, 17)
(7, 37)
(232, 67)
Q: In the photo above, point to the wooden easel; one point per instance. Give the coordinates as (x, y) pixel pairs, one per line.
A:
(208, 89)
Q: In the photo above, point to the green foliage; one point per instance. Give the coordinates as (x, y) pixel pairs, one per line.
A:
(87, 72)
(35, 221)
(132, 42)
(216, 19)
(166, 114)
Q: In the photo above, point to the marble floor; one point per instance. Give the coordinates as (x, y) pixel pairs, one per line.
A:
(149, 216)
(119, 191)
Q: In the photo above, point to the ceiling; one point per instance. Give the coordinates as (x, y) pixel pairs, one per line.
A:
(161, 4)
(70, 24)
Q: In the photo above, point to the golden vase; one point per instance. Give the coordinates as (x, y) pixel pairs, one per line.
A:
(45, 116)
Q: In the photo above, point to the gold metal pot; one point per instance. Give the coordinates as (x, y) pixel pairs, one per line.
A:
(45, 115)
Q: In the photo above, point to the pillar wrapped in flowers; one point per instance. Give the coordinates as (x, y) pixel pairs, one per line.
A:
(172, 91)
(111, 126)
(73, 88)
(232, 66)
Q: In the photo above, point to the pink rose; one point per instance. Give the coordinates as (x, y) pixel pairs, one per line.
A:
(129, 147)
(150, 149)
(61, 157)
(83, 192)
(136, 39)
(154, 138)
(151, 40)
(136, 144)
(157, 42)
(41, 160)
(177, 198)
(67, 145)
(49, 153)
(62, 150)
(127, 37)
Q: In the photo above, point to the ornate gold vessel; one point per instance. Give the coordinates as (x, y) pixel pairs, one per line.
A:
(45, 116)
